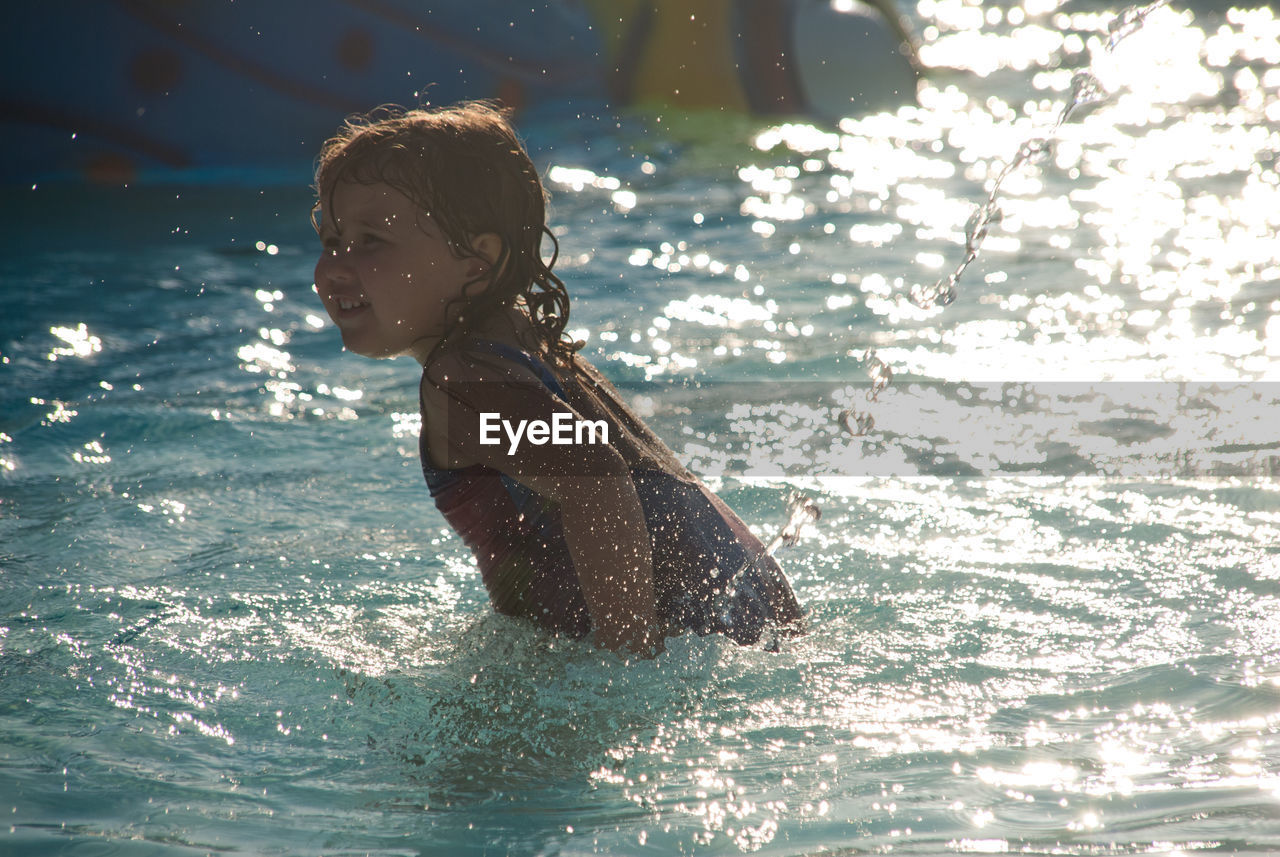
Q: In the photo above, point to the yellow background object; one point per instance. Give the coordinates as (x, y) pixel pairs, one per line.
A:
(686, 56)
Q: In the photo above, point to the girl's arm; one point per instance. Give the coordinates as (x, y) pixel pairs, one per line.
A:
(604, 526)
(607, 538)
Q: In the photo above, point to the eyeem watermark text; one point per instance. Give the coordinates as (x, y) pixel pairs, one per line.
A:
(563, 430)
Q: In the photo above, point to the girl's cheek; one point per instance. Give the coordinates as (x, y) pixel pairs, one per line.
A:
(322, 267)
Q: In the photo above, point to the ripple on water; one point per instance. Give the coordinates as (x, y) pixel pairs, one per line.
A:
(230, 620)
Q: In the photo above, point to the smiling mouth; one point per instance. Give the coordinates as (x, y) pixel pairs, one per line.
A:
(349, 306)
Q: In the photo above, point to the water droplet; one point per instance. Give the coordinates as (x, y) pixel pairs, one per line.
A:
(857, 423)
(801, 511)
(980, 223)
(1032, 151)
(1085, 88)
(1086, 92)
(923, 296)
(1123, 25)
(880, 373)
(1129, 22)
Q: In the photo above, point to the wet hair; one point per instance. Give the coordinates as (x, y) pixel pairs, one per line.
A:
(464, 166)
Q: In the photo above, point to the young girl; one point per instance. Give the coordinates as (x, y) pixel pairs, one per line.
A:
(431, 223)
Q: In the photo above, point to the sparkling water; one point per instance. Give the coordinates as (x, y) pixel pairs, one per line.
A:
(1042, 592)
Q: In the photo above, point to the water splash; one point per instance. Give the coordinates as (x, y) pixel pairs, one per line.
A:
(857, 423)
(880, 373)
(801, 511)
(1129, 22)
(861, 423)
(1086, 90)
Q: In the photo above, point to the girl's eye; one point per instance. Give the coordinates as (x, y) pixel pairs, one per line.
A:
(333, 243)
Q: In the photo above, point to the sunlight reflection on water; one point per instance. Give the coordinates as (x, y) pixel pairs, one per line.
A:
(231, 616)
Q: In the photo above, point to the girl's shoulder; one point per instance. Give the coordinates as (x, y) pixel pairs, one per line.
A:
(476, 379)
(505, 345)
(479, 367)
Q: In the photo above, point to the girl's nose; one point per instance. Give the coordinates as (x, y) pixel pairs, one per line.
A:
(332, 267)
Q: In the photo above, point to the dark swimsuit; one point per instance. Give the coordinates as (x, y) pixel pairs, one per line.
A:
(711, 575)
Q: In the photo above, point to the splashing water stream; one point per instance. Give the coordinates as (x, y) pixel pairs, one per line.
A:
(1086, 91)
(1039, 623)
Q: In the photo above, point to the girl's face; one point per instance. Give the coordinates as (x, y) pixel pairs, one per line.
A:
(387, 276)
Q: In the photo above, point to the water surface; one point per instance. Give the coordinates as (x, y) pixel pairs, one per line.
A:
(1043, 592)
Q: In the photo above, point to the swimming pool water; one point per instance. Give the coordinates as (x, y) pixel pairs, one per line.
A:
(1043, 593)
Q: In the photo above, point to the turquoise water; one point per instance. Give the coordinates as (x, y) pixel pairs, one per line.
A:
(1043, 592)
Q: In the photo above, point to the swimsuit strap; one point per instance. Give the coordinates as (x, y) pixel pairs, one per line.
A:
(524, 358)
